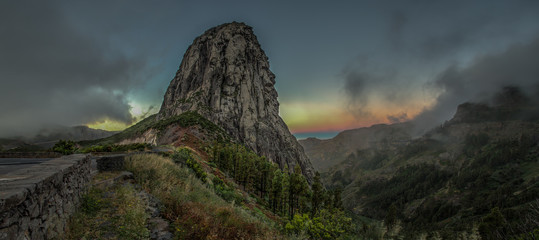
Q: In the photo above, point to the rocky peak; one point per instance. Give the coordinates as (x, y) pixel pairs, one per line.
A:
(225, 76)
(472, 112)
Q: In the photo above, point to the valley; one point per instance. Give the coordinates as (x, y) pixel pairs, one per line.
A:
(447, 181)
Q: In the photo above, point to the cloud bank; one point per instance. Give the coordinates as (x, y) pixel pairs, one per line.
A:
(442, 55)
(482, 81)
(53, 74)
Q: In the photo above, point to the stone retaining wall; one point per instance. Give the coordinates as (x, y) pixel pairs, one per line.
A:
(36, 202)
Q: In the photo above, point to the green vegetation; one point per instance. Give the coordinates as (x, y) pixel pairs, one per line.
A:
(184, 156)
(186, 119)
(419, 190)
(109, 212)
(474, 142)
(226, 191)
(408, 183)
(324, 225)
(315, 213)
(195, 210)
(116, 148)
(252, 172)
(201, 209)
(65, 147)
(255, 175)
(493, 226)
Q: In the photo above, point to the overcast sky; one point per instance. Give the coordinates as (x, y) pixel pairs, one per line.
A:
(338, 65)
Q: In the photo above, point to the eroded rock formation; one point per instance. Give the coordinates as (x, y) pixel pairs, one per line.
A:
(225, 76)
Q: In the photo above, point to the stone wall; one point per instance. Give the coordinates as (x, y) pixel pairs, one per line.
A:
(36, 202)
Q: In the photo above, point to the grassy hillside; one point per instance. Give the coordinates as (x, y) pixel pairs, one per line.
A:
(193, 208)
(213, 188)
(202, 202)
(158, 128)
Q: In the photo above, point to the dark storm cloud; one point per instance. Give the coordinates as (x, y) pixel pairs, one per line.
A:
(431, 44)
(459, 34)
(396, 25)
(355, 87)
(483, 80)
(54, 74)
(365, 83)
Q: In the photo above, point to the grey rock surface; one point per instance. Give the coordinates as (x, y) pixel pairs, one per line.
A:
(225, 76)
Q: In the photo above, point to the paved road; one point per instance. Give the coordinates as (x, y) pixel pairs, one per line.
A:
(12, 164)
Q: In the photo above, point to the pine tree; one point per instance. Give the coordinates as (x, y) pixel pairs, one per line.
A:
(328, 199)
(305, 196)
(286, 191)
(230, 160)
(276, 190)
(298, 189)
(337, 202)
(493, 225)
(317, 195)
(391, 216)
(250, 171)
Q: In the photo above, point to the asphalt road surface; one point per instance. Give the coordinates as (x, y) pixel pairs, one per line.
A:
(11, 164)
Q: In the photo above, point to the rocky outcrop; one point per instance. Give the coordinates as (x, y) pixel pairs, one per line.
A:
(225, 77)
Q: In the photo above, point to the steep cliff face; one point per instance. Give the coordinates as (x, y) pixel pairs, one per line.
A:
(225, 76)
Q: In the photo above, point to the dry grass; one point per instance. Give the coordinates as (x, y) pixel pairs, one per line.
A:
(194, 209)
(109, 212)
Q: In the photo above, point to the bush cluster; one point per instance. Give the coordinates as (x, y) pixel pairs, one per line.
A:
(184, 156)
(65, 147)
(117, 148)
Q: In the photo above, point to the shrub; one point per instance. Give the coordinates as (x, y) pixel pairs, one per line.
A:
(325, 225)
(184, 156)
(116, 148)
(226, 192)
(65, 147)
(91, 202)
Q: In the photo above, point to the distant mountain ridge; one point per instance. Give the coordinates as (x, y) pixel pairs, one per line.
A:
(328, 152)
(76, 133)
(47, 137)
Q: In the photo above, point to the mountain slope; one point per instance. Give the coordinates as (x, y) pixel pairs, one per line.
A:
(329, 152)
(47, 137)
(452, 177)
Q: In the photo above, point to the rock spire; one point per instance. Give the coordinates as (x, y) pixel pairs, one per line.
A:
(225, 76)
